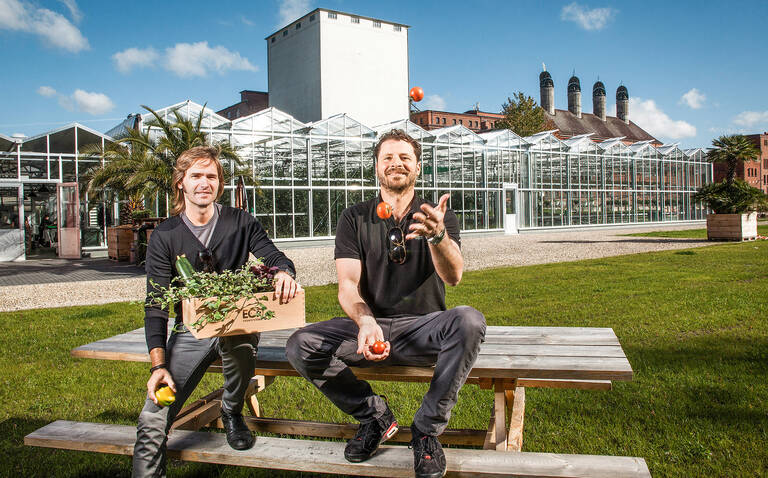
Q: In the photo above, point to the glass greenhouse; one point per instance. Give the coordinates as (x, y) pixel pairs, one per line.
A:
(308, 173)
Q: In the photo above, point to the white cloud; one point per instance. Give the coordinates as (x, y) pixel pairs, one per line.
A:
(694, 99)
(196, 59)
(648, 116)
(71, 5)
(291, 10)
(434, 102)
(46, 91)
(751, 118)
(246, 21)
(93, 103)
(52, 27)
(131, 58)
(594, 19)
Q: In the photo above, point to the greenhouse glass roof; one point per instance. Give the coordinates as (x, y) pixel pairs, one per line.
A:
(412, 129)
(503, 138)
(456, 135)
(339, 125)
(268, 120)
(545, 141)
(188, 110)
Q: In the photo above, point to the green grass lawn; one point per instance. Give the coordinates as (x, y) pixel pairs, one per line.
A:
(693, 324)
(690, 233)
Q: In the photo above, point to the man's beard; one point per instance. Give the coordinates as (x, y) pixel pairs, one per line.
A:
(399, 187)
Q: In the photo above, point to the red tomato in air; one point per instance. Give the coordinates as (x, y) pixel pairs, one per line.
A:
(384, 210)
(378, 347)
(416, 93)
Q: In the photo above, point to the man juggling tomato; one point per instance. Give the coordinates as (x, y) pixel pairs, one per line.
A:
(392, 271)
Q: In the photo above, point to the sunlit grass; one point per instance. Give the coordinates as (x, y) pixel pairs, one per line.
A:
(692, 323)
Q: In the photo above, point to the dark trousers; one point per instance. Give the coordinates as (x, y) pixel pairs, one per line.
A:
(188, 358)
(322, 353)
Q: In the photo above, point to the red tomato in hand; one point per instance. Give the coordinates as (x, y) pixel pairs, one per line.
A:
(378, 347)
(384, 210)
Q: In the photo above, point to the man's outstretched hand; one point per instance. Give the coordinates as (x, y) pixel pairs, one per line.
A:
(430, 221)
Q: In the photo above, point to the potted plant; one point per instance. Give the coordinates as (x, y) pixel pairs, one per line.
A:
(734, 202)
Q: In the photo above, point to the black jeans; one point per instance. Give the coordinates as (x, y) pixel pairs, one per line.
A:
(188, 358)
(322, 353)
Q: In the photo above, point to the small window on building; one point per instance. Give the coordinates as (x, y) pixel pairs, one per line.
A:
(332, 15)
(273, 40)
(397, 28)
(311, 18)
(443, 120)
(285, 33)
(376, 24)
(298, 25)
(355, 19)
(421, 120)
(461, 121)
(454, 120)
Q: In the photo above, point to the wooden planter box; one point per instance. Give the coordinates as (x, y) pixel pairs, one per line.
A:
(732, 227)
(249, 316)
(119, 241)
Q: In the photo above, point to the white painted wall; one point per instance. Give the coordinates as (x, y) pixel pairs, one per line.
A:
(294, 71)
(364, 70)
(331, 66)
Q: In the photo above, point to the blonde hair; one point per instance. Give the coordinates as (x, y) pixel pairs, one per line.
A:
(186, 160)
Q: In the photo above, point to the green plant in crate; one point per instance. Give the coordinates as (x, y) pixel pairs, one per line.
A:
(218, 291)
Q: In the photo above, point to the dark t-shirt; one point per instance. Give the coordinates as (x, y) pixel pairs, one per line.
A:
(391, 289)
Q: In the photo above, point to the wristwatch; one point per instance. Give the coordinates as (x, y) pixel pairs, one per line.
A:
(435, 240)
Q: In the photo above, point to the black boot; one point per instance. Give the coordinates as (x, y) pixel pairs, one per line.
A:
(239, 436)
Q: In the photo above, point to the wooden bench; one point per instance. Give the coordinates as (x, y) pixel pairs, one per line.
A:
(510, 359)
(328, 457)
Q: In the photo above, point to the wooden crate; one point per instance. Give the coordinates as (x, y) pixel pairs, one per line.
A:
(119, 241)
(732, 227)
(249, 316)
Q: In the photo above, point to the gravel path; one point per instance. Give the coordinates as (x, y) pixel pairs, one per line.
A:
(315, 264)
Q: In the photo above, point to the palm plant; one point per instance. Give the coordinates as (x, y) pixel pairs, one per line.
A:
(731, 151)
(732, 196)
(141, 163)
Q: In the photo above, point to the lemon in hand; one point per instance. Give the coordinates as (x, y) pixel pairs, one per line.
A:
(165, 396)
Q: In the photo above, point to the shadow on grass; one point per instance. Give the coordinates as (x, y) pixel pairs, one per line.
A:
(653, 240)
(713, 376)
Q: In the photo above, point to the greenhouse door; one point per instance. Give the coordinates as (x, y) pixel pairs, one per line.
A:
(11, 229)
(510, 208)
(68, 215)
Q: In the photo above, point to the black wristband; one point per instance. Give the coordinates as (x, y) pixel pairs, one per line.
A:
(157, 367)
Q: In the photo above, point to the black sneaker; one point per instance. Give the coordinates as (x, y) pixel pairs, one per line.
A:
(369, 436)
(428, 456)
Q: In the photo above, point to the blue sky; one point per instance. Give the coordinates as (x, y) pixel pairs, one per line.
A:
(694, 70)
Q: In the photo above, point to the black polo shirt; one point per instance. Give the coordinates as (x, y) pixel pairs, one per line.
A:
(391, 289)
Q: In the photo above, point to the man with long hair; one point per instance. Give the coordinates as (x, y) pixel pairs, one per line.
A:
(214, 238)
(392, 273)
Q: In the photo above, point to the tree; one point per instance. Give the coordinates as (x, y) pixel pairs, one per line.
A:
(731, 151)
(140, 164)
(523, 116)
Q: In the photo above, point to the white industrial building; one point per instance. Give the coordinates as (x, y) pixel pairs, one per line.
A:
(329, 62)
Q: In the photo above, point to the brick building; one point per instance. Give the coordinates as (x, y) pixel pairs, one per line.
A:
(755, 173)
(250, 102)
(475, 120)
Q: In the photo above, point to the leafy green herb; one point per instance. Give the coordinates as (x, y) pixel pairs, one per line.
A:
(219, 292)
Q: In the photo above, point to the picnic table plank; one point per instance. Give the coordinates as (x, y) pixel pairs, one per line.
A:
(328, 457)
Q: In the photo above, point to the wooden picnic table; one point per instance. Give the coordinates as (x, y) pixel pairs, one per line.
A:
(511, 359)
